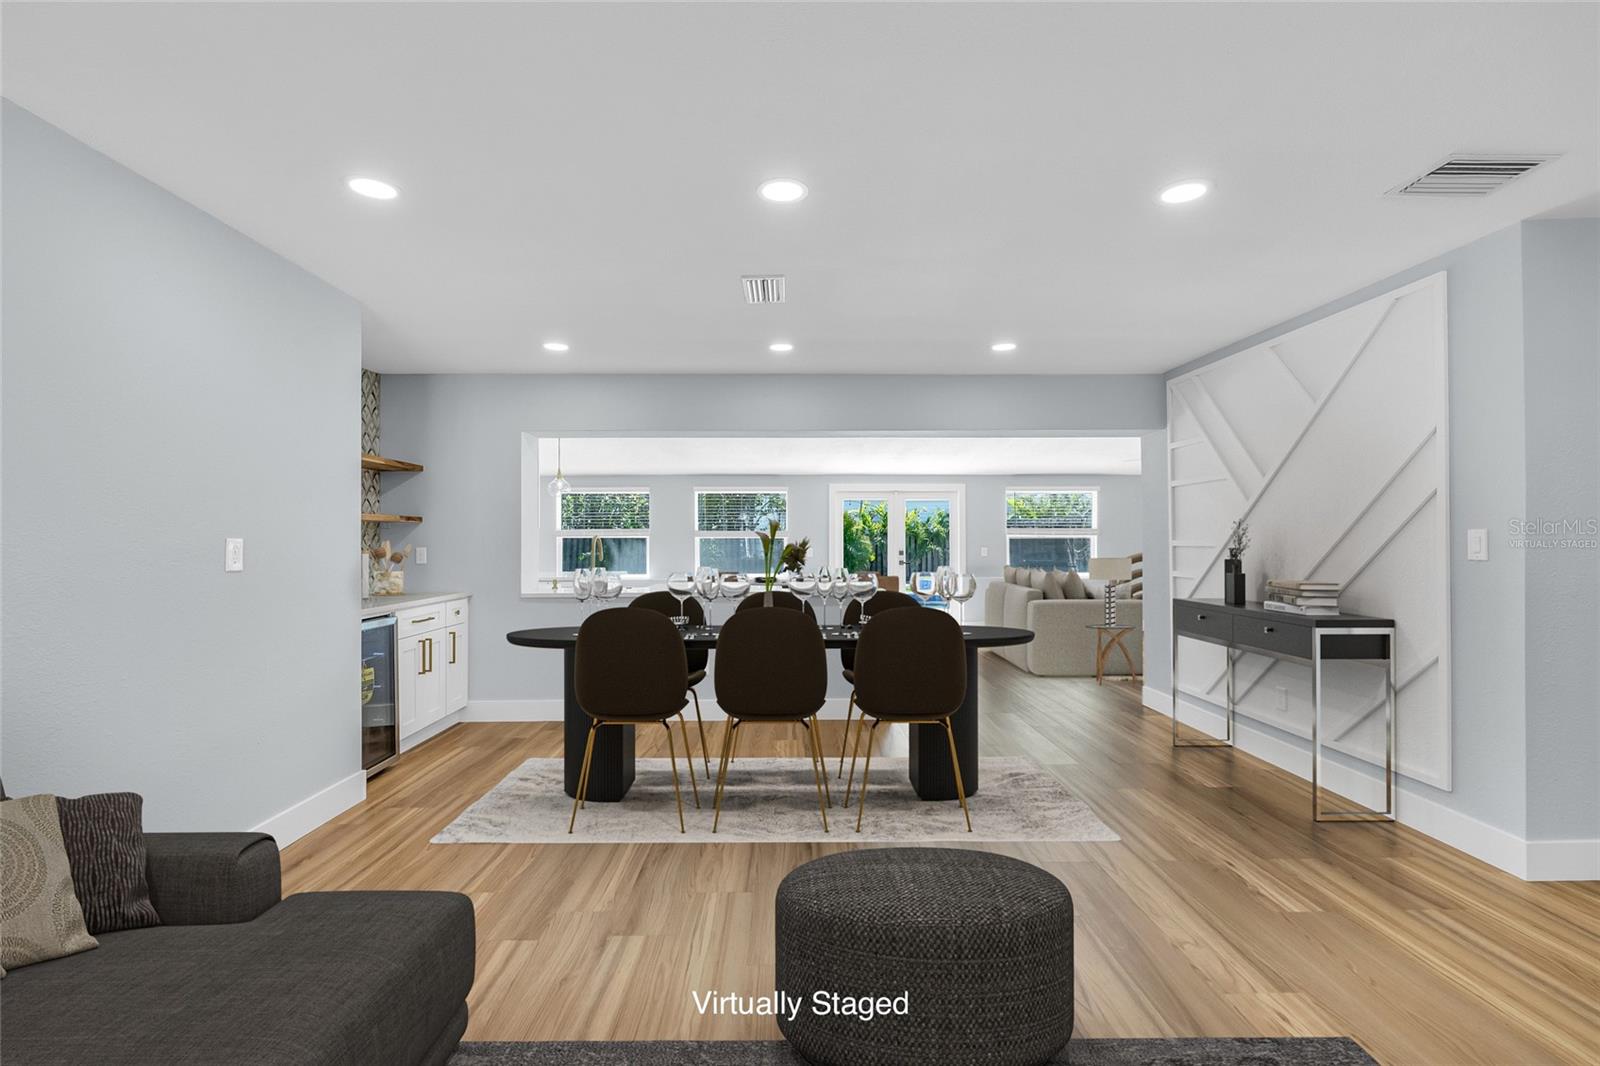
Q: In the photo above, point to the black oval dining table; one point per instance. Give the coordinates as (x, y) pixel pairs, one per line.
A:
(611, 767)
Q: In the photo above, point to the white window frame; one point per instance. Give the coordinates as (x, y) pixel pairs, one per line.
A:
(733, 534)
(956, 492)
(1091, 533)
(588, 534)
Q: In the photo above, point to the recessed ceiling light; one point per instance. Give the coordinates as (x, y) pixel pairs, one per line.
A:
(1184, 191)
(373, 188)
(555, 346)
(783, 190)
(1004, 346)
(780, 347)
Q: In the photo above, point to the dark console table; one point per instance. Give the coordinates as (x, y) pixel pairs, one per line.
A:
(1309, 638)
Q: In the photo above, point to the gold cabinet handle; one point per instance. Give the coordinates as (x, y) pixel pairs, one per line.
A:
(452, 647)
(422, 657)
(427, 653)
(419, 621)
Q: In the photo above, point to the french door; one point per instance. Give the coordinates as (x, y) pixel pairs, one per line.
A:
(896, 530)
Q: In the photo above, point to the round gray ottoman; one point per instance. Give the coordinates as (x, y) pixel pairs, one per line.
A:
(924, 957)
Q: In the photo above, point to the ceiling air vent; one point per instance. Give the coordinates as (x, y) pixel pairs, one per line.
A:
(1471, 174)
(763, 289)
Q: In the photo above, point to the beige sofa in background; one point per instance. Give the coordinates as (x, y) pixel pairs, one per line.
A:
(1062, 645)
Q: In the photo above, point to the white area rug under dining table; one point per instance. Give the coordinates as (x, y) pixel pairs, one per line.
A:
(773, 801)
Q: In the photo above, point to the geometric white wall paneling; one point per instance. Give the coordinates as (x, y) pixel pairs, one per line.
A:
(1346, 417)
(1310, 396)
(1306, 425)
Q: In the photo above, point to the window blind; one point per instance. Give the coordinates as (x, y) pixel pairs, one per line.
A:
(740, 512)
(605, 510)
(1050, 510)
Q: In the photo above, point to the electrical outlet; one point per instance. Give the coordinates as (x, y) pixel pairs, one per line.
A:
(422, 556)
(983, 552)
(1478, 545)
(233, 554)
(1283, 698)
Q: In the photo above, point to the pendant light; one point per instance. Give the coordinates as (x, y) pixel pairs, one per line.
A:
(558, 484)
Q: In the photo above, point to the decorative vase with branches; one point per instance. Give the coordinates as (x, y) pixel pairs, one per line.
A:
(1233, 591)
(769, 542)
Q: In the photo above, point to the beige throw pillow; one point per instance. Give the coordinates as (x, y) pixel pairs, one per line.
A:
(1072, 587)
(39, 915)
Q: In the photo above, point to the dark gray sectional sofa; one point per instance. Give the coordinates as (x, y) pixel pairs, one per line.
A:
(236, 974)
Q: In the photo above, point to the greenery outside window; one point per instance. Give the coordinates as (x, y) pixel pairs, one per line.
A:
(725, 521)
(619, 517)
(1052, 528)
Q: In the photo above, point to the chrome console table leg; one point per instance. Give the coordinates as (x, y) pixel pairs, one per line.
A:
(1206, 742)
(1390, 693)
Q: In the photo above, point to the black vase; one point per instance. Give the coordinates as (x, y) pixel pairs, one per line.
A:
(1233, 582)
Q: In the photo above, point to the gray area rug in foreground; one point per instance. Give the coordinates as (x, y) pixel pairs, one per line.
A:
(775, 801)
(1185, 1051)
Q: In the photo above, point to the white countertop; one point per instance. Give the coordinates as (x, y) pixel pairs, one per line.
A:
(373, 606)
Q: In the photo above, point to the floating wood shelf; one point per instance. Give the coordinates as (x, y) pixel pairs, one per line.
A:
(368, 516)
(391, 466)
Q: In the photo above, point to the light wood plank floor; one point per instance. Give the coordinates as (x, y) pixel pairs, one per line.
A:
(1223, 911)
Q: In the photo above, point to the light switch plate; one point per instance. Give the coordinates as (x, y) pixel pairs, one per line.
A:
(422, 556)
(983, 552)
(1477, 545)
(233, 554)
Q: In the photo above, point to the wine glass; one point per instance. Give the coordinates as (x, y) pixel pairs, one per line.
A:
(862, 587)
(705, 589)
(734, 585)
(608, 587)
(803, 583)
(582, 588)
(681, 584)
(960, 587)
(941, 583)
(841, 589)
(822, 583)
(923, 586)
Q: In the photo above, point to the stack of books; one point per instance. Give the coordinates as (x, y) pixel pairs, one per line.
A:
(1302, 597)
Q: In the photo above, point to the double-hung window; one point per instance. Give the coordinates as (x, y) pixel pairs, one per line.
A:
(725, 525)
(620, 518)
(1051, 528)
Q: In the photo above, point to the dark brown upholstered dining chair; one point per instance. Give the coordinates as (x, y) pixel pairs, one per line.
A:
(878, 601)
(911, 668)
(630, 670)
(772, 666)
(780, 598)
(666, 603)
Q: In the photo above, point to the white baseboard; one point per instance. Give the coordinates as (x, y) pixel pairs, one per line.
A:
(552, 710)
(1531, 860)
(431, 730)
(290, 825)
(1563, 860)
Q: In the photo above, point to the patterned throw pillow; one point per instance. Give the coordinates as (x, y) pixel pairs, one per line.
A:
(104, 835)
(39, 916)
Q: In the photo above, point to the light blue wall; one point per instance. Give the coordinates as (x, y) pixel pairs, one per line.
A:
(1522, 396)
(167, 384)
(1561, 373)
(467, 431)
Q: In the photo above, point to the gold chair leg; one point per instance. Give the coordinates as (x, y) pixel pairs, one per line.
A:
(688, 757)
(844, 742)
(722, 770)
(588, 766)
(672, 757)
(583, 777)
(955, 765)
(861, 724)
(819, 769)
(816, 733)
(700, 723)
(866, 770)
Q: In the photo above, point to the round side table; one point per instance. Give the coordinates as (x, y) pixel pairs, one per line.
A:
(1105, 638)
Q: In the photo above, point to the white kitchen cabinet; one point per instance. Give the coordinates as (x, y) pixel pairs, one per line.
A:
(432, 663)
(455, 668)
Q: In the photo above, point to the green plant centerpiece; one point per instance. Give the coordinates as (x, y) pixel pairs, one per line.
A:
(769, 541)
(793, 559)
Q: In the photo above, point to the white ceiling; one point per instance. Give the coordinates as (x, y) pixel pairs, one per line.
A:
(848, 456)
(978, 172)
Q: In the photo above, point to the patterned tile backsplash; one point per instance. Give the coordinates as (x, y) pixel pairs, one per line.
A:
(371, 385)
